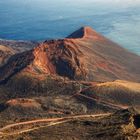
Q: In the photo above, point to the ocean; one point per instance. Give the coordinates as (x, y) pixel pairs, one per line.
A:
(39, 20)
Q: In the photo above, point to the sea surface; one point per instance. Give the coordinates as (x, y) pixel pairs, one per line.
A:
(39, 20)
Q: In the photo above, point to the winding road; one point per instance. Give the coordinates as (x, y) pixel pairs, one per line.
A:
(19, 127)
(28, 126)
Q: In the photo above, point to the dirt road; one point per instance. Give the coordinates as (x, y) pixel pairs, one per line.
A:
(19, 127)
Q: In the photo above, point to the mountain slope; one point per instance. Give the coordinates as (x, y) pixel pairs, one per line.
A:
(122, 93)
(5, 54)
(120, 125)
(11, 47)
(106, 60)
(65, 88)
(84, 55)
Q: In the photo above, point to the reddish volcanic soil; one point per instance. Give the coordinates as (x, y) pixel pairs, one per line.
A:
(84, 55)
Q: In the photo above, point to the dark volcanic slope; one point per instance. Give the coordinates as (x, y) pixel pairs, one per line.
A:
(123, 125)
(38, 103)
(5, 54)
(11, 47)
(85, 54)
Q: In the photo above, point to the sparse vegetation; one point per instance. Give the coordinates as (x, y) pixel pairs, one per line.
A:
(42, 96)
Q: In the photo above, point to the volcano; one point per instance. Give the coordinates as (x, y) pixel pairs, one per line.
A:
(83, 55)
(84, 80)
